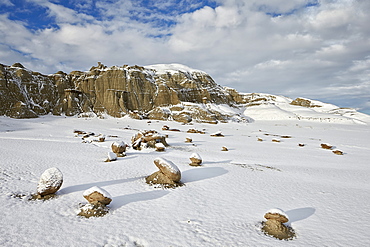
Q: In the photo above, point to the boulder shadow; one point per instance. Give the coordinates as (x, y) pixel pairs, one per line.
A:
(83, 187)
(300, 214)
(203, 173)
(120, 201)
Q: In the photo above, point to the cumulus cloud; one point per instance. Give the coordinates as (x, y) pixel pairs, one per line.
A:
(309, 48)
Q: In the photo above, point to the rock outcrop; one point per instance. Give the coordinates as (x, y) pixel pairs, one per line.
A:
(117, 91)
(160, 92)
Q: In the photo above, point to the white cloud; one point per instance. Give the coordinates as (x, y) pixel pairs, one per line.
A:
(300, 48)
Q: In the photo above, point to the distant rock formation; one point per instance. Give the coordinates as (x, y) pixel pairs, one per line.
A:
(161, 92)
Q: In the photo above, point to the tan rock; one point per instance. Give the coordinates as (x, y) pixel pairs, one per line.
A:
(195, 159)
(274, 225)
(168, 168)
(50, 182)
(96, 194)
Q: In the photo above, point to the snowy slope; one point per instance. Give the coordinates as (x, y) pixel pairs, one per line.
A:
(326, 196)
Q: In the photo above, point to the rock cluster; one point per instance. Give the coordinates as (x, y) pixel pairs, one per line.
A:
(168, 176)
(148, 139)
(50, 182)
(275, 227)
(98, 200)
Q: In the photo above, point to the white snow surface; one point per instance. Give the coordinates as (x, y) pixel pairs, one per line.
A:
(326, 196)
(51, 177)
(97, 189)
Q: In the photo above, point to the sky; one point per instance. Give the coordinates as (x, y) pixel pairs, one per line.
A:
(317, 49)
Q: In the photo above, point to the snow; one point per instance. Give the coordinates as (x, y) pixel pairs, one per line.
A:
(196, 156)
(326, 196)
(172, 68)
(119, 144)
(97, 189)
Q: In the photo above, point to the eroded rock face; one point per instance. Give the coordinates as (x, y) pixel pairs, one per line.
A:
(126, 90)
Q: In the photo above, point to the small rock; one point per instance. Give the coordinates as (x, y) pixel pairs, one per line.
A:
(96, 194)
(326, 146)
(224, 149)
(195, 159)
(119, 147)
(337, 152)
(217, 134)
(301, 145)
(111, 157)
(159, 147)
(259, 139)
(188, 140)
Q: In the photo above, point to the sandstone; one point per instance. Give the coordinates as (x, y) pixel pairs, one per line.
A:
(274, 225)
(50, 182)
(168, 168)
(148, 139)
(97, 195)
(195, 159)
(119, 147)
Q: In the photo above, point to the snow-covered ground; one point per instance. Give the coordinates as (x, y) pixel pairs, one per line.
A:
(326, 196)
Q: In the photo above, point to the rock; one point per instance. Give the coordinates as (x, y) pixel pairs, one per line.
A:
(188, 140)
(195, 131)
(50, 182)
(217, 134)
(93, 210)
(96, 195)
(259, 139)
(159, 147)
(337, 152)
(119, 147)
(224, 149)
(168, 175)
(111, 157)
(301, 145)
(326, 146)
(304, 103)
(101, 138)
(168, 168)
(148, 139)
(274, 225)
(195, 159)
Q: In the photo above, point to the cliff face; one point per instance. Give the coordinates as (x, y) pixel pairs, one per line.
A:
(137, 91)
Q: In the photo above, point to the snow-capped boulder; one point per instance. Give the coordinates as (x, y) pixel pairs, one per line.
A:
(50, 182)
(168, 175)
(195, 159)
(274, 226)
(119, 147)
(96, 194)
(159, 147)
(111, 157)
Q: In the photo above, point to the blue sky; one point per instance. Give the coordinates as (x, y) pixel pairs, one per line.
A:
(318, 49)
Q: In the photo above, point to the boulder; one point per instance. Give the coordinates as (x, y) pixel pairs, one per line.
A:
(168, 175)
(96, 195)
(195, 159)
(119, 147)
(148, 139)
(274, 226)
(50, 182)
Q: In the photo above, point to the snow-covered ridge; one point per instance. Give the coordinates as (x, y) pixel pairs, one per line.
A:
(172, 68)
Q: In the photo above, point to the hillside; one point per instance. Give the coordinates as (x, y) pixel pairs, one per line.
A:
(159, 92)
